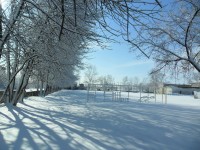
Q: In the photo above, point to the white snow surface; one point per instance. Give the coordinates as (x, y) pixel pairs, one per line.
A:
(65, 120)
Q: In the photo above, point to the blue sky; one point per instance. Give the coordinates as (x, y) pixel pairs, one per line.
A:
(119, 62)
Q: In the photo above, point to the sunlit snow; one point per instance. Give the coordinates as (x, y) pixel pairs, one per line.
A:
(66, 121)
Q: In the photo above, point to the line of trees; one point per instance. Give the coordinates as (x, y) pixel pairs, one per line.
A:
(154, 81)
(45, 40)
(41, 41)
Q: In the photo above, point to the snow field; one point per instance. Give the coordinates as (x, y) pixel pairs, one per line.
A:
(65, 121)
(187, 100)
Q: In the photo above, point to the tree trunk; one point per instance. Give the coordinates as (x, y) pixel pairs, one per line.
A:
(8, 74)
(22, 91)
(1, 26)
(41, 87)
(19, 94)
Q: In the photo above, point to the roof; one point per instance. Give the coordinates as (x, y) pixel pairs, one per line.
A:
(197, 84)
(178, 85)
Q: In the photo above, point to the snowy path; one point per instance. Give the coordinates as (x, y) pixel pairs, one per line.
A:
(64, 121)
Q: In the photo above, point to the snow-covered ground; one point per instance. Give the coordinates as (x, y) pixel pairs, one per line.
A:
(66, 121)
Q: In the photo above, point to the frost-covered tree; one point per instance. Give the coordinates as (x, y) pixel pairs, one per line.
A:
(136, 81)
(130, 81)
(125, 80)
(156, 81)
(173, 41)
(90, 75)
(41, 46)
(2, 77)
(39, 38)
(107, 79)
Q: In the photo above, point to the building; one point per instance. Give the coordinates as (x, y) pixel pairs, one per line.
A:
(187, 89)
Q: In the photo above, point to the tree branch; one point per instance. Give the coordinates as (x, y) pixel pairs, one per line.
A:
(63, 18)
(12, 23)
(187, 32)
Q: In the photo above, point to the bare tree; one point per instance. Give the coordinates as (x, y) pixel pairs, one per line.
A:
(125, 80)
(44, 36)
(2, 77)
(107, 79)
(91, 74)
(173, 41)
(33, 44)
(1, 24)
(156, 81)
(136, 81)
(194, 77)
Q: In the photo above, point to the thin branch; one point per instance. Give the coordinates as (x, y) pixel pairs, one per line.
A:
(63, 18)
(135, 45)
(12, 23)
(158, 3)
(187, 32)
(75, 16)
(14, 75)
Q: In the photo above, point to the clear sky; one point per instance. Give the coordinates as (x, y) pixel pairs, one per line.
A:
(119, 62)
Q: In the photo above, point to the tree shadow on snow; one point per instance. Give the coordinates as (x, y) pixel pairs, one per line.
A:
(3, 143)
(68, 122)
